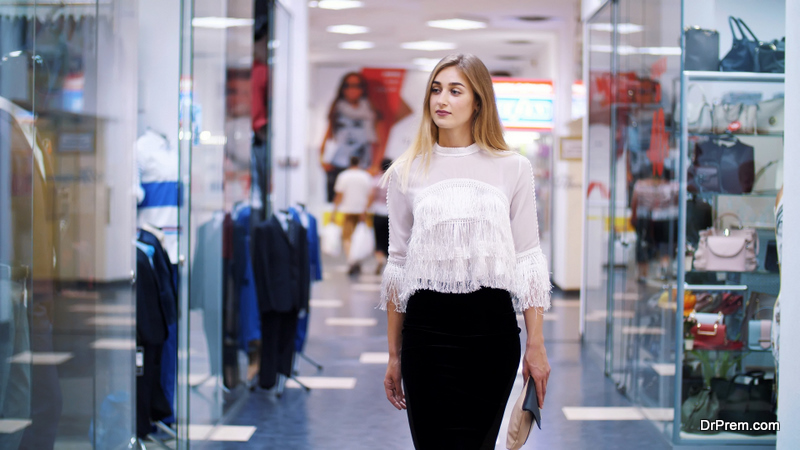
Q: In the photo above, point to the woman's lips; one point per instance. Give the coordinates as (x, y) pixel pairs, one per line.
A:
(442, 113)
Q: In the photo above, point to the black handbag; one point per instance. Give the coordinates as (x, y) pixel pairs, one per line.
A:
(722, 169)
(770, 58)
(702, 49)
(751, 401)
(771, 257)
(742, 55)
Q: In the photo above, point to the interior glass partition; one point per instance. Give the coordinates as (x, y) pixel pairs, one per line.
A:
(234, 54)
(67, 309)
(672, 328)
(597, 182)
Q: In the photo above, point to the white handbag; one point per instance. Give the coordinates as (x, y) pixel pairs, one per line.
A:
(736, 118)
(698, 115)
(769, 118)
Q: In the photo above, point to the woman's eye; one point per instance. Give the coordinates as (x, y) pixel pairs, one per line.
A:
(455, 92)
(435, 90)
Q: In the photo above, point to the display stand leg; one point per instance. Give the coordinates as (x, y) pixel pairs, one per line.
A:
(166, 429)
(311, 361)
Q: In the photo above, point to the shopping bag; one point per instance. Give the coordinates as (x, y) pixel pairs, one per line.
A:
(362, 244)
(331, 239)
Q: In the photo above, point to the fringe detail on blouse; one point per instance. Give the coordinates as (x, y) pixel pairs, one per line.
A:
(461, 243)
(533, 286)
(390, 287)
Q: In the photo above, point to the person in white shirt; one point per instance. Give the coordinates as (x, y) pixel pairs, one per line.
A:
(380, 218)
(353, 187)
(464, 258)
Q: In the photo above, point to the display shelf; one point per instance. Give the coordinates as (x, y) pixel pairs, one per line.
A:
(712, 195)
(698, 75)
(713, 135)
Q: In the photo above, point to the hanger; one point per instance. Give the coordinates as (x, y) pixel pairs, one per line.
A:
(726, 137)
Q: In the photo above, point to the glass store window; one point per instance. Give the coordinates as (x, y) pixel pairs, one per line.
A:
(67, 307)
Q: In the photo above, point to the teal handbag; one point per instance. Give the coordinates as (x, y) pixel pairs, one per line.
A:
(698, 410)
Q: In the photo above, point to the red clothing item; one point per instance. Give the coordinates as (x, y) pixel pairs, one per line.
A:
(258, 81)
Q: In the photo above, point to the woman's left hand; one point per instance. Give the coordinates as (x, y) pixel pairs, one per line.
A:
(535, 365)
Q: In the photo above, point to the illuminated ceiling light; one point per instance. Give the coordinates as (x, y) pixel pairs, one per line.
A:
(428, 45)
(347, 29)
(339, 4)
(356, 45)
(622, 28)
(221, 22)
(457, 24)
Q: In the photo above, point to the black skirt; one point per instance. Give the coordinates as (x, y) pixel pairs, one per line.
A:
(459, 360)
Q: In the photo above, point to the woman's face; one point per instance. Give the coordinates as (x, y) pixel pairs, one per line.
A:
(353, 89)
(452, 103)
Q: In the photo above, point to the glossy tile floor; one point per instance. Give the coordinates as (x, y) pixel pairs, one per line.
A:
(347, 337)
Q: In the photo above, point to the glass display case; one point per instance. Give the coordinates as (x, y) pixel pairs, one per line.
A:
(681, 176)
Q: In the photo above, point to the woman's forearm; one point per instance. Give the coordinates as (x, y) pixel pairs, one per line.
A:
(534, 318)
(395, 331)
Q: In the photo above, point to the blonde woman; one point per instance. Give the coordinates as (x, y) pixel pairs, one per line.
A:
(464, 258)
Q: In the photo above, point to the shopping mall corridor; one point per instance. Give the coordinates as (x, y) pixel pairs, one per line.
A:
(347, 408)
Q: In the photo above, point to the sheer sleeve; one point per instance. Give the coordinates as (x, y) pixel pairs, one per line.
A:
(401, 219)
(532, 280)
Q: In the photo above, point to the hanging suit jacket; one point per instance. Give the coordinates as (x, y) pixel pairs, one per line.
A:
(280, 265)
(151, 325)
(163, 270)
(314, 258)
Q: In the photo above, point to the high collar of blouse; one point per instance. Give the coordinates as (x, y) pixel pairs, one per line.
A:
(455, 151)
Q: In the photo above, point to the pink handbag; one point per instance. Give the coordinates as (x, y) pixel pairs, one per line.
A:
(727, 250)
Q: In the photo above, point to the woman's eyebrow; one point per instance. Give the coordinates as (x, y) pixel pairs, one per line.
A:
(451, 84)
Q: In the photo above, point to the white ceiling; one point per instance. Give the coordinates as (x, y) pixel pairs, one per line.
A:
(393, 22)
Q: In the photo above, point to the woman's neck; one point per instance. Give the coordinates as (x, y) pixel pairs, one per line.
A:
(455, 138)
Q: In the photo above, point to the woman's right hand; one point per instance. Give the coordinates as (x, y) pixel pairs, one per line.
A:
(393, 383)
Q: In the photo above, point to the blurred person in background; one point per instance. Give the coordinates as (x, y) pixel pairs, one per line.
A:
(654, 215)
(380, 219)
(352, 188)
(353, 125)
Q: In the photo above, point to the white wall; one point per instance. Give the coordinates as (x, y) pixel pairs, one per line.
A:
(116, 107)
(788, 401)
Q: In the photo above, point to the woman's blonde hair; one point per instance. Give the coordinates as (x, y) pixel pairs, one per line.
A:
(486, 128)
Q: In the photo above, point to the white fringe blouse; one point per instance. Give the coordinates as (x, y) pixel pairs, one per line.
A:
(470, 223)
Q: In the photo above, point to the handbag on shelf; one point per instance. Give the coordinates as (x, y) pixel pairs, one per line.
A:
(699, 407)
(702, 49)
(742, 387)
(771, 257)
(770, 57)
(759, 331)
(742, 55)
(698, 120)
(769, 118)
(724, 165)
(709, 336)
(727, 250)
(759, 334)
(707, 303)
(748, 398)
(736, 118)
(731, 303)
(706, 318)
